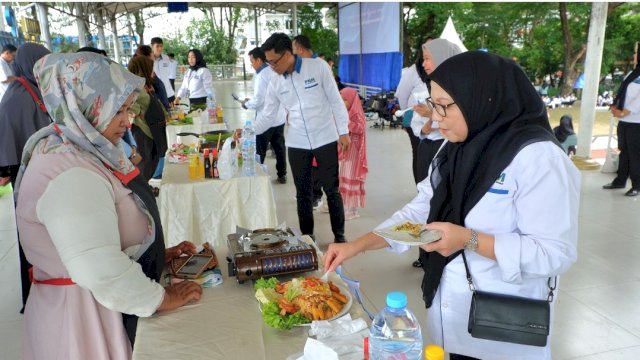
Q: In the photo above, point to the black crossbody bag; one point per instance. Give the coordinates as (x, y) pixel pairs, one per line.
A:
(509, 318)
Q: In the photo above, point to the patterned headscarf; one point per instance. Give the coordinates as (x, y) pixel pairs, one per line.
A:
(82, 93)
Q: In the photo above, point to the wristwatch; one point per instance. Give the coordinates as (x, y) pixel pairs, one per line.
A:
(472, 244)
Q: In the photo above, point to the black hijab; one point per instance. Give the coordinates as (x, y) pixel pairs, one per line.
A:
(20, 117)
(622, 91)
(504, 114)
(565, 128)
(200, 63)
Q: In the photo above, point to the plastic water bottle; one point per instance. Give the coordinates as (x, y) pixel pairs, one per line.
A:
(211, 108)
(248, 149)
(395, 332)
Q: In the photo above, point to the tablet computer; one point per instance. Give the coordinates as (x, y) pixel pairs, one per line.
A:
(194, 266)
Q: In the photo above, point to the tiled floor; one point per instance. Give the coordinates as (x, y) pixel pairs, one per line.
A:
(596, 313)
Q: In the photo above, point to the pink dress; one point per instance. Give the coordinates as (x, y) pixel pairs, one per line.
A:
(67, 322)
(353, 163)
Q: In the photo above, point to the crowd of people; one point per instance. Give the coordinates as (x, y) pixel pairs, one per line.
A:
(483, 154)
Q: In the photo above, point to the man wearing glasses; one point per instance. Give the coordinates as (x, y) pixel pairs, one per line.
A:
(318, 124)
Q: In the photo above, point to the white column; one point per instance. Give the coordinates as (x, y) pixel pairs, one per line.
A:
(294, 20)
(2, 25)
(595, 45)
(82, 31)
(43, 18)
(102, 42)
(116, 41)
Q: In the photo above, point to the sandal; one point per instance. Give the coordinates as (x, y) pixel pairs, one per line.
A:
(417, 264)
(155, 191)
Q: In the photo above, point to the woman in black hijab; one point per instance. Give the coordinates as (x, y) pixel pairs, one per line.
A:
(501, 190)
(565, 135)
(197, 82)
(626, 107)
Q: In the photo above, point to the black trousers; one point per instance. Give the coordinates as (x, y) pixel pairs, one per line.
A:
(414, 152)
(427, 150)
(327, 158)
(173, 84)
(275, 136)
(317, 184)
(629, 161)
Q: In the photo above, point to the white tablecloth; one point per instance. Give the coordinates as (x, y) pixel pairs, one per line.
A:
(208, 210)
(197, 128)
(225, 324)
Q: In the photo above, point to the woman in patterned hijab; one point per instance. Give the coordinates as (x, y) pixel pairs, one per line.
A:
(87, 220)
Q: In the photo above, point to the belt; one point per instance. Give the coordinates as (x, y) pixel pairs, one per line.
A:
(55, 281)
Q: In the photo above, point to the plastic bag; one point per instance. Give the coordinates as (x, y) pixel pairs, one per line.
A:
(227, 161)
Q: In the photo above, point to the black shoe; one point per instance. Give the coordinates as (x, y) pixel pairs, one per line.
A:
(631, 192)
(282, 179)
(611, 186)
(417, 264)
(339, 240)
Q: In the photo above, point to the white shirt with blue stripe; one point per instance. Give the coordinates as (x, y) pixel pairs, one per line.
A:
(317, 113)
(260, 85)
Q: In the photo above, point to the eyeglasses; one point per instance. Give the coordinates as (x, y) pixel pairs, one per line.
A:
(439, 108)
(275, 62)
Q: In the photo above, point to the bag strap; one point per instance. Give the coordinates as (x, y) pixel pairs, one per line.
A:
(33, 94)
(473, 288)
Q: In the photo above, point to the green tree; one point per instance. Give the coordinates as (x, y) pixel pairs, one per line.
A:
(199, 34)
(324, 40)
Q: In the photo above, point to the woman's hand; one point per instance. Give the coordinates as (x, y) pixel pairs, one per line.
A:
(176, 101)
(185, 247)
(454, 237)
(426, 128)
(177, 295)
(337, 254)
(422, 109)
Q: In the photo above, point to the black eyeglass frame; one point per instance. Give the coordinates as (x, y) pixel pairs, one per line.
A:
(441, 109)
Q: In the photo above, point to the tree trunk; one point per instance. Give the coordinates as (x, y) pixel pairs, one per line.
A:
(406, 39)
(139, 24)
(569, 73)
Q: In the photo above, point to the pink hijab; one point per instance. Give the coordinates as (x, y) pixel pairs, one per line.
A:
(357, 128)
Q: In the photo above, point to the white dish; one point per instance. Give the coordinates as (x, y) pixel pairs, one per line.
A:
(343, 312)
(403, 237)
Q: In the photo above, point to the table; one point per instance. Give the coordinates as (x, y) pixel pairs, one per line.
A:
(225, 324)
(208, 210)
(197, 127)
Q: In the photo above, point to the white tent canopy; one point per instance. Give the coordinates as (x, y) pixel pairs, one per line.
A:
(450, 33)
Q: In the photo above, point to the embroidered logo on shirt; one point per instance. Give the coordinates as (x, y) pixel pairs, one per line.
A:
(499, 181)
(310, 83)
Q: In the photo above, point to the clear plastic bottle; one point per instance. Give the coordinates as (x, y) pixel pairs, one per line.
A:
(211, 108)
(248, 149)
(395, 331)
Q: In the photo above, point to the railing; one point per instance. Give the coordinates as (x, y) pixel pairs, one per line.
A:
(364, 90)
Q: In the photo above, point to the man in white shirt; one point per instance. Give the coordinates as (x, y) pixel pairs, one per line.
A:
(266, 131)
(301, 46)
(173, 70)
(162, 66)
(318, 124)
(6, 69)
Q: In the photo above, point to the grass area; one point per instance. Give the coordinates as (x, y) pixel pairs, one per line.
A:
(600, 127)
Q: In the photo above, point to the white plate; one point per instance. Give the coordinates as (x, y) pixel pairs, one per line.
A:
(403, 237)
(343, 312)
